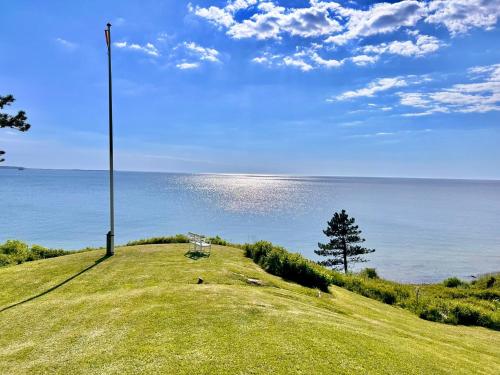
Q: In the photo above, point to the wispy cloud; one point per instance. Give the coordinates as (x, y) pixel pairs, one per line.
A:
(271, 21)
(458, 16)
(203, 53)
(305, 59)
(423, 45)
(390, 134)
(363, 60)
(472, 97)
(148, 48)
(66, 44)
(379, 85)
(342, 23)
(190, 55)
(188, 65)
(349, 124)
(330, 23)
(379, 19)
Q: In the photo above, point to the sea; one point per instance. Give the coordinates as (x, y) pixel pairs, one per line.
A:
(423, 230)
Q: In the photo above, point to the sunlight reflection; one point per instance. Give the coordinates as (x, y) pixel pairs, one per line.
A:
(251, 193)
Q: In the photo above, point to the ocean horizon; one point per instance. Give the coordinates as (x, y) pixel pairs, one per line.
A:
(420, 227)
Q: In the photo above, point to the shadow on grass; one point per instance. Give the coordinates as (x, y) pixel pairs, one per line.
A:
(195, 255)
(101, 259)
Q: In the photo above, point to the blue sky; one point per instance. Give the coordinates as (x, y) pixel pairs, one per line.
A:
(362, 88)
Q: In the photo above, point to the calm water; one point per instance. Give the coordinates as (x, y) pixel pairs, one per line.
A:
(423, 230)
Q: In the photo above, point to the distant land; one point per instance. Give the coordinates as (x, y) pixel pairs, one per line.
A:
(11, 167)
(255, 174)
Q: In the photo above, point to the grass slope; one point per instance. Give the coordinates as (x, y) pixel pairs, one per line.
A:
(141, 311)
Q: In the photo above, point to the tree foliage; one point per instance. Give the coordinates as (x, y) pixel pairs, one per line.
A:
(18, 121)
(343, 247)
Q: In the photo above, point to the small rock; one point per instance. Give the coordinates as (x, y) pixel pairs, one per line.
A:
(254, 281)
(200, 280)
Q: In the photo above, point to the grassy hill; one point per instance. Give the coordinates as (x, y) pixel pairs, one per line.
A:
(142, 311)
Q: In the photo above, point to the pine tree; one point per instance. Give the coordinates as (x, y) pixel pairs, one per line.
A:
(343, 247)
(18, 121)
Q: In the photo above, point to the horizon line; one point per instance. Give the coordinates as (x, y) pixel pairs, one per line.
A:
(257, 174)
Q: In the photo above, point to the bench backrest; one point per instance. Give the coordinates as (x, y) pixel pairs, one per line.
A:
(195, 237)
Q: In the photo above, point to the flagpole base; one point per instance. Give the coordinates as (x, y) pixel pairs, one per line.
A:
(110, 244)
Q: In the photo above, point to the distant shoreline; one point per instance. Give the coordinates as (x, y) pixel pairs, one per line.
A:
(256, 174)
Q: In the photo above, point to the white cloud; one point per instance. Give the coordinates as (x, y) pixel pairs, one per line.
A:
(305, 59)
(270, 20)
(215, 15)
(260, 60)
(298, 63)
(327, 63)
(378, 19)
(349, 124)
(492, 70)
(188, 65)
(477, 97)
(423, 45)
(148, 48)
(345, 23)
(342, 23)
(329, 19)
(414, 100)
(363, 60)
(458, 16)
(385, 134)
(206, 54)
(378, 85)
(70, 46)
(164, 37)
(426, 113)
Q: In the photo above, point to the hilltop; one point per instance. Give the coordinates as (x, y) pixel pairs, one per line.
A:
(143, 311)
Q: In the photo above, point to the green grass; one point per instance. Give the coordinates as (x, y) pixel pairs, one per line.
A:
(451, 302)
(473, 303)
(141, 311)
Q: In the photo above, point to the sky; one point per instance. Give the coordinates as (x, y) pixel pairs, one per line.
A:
(347, 88)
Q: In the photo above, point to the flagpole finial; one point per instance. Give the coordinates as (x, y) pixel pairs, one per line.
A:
(108, 25)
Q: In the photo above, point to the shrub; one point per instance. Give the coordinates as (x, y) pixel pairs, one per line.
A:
(383, 292)
(469, 315)
(457, 313)
(219, 241)
(375, 288)
(178, 238)
(490, 295)
(40, 252)
(453, 282)
(305, 272)
(431, 312)
(17, 252)
(258, 251)
(490, 282)
(369, 273)
(337, 278)
(294, 267)
(274, 261)
(5, 260)
(487, 281)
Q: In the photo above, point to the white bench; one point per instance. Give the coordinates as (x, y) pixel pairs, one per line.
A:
(199, 243)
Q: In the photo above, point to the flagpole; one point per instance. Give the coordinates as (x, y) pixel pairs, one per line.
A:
(110, 238)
